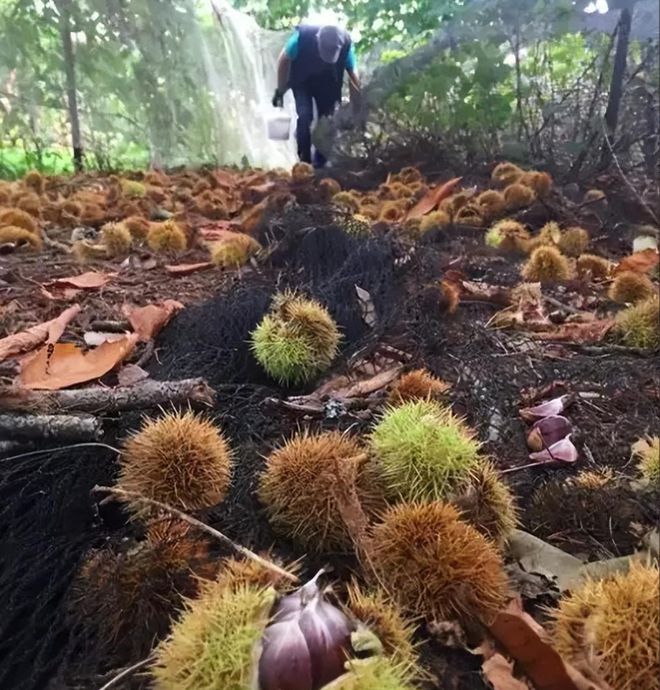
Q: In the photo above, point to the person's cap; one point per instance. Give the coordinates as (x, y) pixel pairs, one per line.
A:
(331, 40)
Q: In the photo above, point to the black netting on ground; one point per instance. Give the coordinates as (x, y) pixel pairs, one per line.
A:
(212, 339)
(48, 521)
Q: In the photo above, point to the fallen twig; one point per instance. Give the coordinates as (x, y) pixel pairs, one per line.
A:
(560, 305)
(134, 496)
(49, 427)
(100, 399)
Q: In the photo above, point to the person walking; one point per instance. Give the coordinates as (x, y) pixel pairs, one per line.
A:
(312, 64)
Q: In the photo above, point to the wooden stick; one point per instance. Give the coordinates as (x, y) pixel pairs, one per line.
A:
(133, 495)
(50, 426)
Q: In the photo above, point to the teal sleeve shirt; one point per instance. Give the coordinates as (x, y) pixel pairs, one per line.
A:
(291, 50)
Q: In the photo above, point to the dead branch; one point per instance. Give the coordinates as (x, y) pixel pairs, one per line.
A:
(98, 399)
(122, 494)
(49, 427)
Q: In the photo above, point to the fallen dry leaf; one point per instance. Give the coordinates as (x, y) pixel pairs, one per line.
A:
(589, 332)
(523, 639)
(187, 269)
(85, 281)
(433, 197)
(369, 386)
(640, 262)
(367, 308)
(147, 321)
(65, 293)
(130, 374)
(49, 331)
(65, 364)
(499, 673)
(96, 338)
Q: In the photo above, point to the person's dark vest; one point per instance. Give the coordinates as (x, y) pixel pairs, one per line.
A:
(308, 63)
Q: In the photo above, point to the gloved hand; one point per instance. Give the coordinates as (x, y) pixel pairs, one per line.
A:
(278, 99)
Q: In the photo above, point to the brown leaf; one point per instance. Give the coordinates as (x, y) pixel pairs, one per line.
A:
(432, 198)
(147, 321)
(499, 673)
(61, 293)
(589, 332)
(367, 308)
(187, 269)
(49, 331)
(85, 281)
(523, 639)
(368, 386)
(66, 364)
(640, 262)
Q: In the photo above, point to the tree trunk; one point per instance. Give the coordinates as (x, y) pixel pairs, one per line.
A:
(99, 400)
(616, 84)
(70, 72)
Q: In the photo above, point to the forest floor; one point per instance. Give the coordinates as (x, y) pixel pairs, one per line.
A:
(428, 301)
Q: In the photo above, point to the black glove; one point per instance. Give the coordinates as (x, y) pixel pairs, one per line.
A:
(278, 99)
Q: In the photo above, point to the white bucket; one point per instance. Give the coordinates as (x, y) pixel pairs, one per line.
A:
(279, 126)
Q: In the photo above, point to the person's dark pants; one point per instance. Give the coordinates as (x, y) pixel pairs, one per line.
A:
(323, 92)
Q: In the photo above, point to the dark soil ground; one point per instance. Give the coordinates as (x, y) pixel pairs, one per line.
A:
(49, 519)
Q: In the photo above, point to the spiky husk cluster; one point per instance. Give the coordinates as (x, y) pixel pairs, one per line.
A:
(137, 226)
(648, 453)
(546, 264)
(453, 204)
(302, 172)
(549, 234)
(180, 458)
(11, 233)
(392, 211)
(433, 221)
(166, 237)
(301, 487)
(376, 609)
(296, 340)
(630, 287)
(508, 235)
(491, 204)
(373, 673)
(117, 239)
(234, 251)
(505, 174)
(212, 646)
(35, 181)
(518, 196)
(418, 384)
(488, 504)
(614, 623)
(238, 572)
(595, 266)
(347, 200)
(540, 182)
(129, 597)
(423, 450)
(19, 219)
(470, 214)
(30, 203)
(592, 507)
(573, 241)
(328, 187)
(132, 188)
(410, 174)
(435, 565)
(356, 224)
(637, 326)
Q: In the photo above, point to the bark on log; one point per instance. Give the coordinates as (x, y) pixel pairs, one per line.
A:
(106, 400)
(60, 427)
